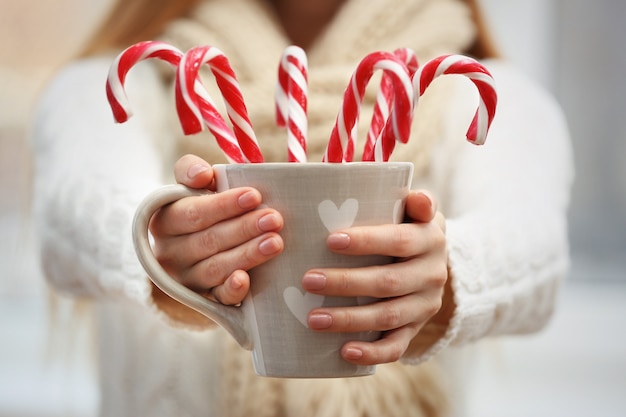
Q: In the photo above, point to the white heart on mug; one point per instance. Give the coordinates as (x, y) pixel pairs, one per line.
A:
(300, 304)
(336, 218)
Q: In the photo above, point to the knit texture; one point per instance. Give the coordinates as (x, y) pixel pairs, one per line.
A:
(247, 32)
(505, 205)
(395, 390)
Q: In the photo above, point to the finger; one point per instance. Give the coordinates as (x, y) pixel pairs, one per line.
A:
(398, 240)
(389, 348)
(192, 214)
(213, 271)
(384, 281)
(421, 206)
(191, 248)
(234, 289)
(440, 220)
(381, 316)
(193, 172)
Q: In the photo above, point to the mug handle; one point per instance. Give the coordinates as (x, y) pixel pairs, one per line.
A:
(229, 317)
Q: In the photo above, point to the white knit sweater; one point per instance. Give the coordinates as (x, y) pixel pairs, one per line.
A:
(505, 205)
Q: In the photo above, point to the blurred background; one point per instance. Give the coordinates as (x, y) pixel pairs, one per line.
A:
(576, 367)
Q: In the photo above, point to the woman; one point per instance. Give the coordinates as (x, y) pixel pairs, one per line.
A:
(495, 271)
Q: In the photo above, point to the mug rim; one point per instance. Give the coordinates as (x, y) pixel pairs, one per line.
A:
(306, 165)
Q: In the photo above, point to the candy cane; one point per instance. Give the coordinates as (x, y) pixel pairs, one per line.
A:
(343, 137)
(478, 74)
(121, 108)
(382, 109)
(222, 133)
(190, 106)
(122, 64)
(291, 101)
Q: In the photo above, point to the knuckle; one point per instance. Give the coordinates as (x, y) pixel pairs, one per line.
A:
(211, 272)
(209, 242)
(403, 237)
(192, 214)
(395, 350)
(439, 239)
(347, 320)
(388, 317)
(166, 261)
(394, 353)
(390, 282)
(155, 226)
(250, 257)
(165, 258)
(432, 306)
(342, 280)
(439, 275)
(250, 227)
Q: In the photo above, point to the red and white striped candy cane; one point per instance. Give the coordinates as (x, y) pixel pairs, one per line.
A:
(381, 113)
(190, 104)
(291, 101)
(478, 74)
(116, 94)
(120, 105)
(343, 137)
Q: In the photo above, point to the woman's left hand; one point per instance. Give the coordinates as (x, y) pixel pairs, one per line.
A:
(410, 290)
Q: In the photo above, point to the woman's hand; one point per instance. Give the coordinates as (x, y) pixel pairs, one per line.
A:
(410, 290)
(209, 242)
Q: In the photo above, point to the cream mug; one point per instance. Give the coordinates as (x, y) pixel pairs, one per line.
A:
(314, 199)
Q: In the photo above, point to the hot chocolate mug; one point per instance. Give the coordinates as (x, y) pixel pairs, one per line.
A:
(315, 199)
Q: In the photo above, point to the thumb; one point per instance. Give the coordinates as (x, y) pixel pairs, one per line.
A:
(421, 206)
(193, 172)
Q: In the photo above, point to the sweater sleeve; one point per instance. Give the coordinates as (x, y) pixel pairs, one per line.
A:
(506, 207)
(89, 176)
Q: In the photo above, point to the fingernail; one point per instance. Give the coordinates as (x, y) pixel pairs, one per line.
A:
(196, 169)
(320, 321)
(248, 200)
(314, 281)
(268, 222)
(269, 246)
(338, 241)
(353, 354)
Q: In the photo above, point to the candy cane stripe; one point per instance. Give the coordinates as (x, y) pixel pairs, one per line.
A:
(343, 137)
(191, 105)
(291, 101)
(382, 120)
(122, 64)
(480, 77)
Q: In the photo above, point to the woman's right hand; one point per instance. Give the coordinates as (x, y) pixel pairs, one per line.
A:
(208, 243)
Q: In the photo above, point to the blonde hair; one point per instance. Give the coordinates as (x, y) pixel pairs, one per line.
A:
(484, 45)
(133, 21)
